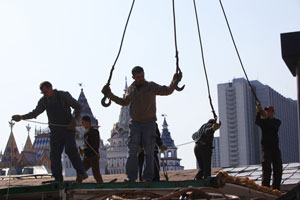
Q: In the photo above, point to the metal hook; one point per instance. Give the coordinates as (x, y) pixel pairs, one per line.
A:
(179, 88)
(177, 81)
(103, 101)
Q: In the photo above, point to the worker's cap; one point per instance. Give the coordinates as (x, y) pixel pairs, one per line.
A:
(269, 108)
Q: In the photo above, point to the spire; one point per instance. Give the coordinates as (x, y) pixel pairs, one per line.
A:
(165, 124)
(11, 152)
(124, 117)
(28, 145)
(86, 109)
(166, 136)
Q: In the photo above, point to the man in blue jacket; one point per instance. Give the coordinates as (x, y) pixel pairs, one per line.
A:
(62, 124)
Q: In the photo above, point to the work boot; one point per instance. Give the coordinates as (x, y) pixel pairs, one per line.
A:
(128, 180)
(81, 177)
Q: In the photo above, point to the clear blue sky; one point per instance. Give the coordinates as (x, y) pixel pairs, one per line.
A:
(67, 42)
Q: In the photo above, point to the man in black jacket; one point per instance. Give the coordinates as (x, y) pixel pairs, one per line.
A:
(270, 146)
(62, 124)
(203, 147)
(91, 149)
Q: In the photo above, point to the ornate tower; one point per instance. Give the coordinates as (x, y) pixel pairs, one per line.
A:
(117, 149)
(28, 155)
(28, 145)
(169, 157)
(11, 153)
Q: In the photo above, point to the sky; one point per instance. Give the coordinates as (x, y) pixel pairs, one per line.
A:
(69, 41)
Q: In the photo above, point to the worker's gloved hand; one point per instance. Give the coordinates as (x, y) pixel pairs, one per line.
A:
(261, 111)
(163, 148)
(17, 118)
(258, 108)
(80, 151)
(140, 149)
(177, 77)
(72, 125)
(216, 126)
(106, 90)
(263, 114)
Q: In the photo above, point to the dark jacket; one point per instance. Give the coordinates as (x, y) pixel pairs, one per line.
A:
(91, 140)
(64, 98)
(269, 128)
(205, 135)
(143, 100)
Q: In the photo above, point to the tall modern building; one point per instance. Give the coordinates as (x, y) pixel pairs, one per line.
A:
(215, 158)
(239, 136)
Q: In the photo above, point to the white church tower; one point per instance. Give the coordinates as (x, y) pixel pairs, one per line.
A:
(117, 149)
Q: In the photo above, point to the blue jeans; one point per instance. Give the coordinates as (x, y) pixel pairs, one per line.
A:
(60, 140)
(141, 133)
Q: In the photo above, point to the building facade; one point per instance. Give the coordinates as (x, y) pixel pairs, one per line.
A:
(239, 136)
(41, 146)
(215, 159)
(117, 149)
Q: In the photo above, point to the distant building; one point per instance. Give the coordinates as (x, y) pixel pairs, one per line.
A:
(28, 155)
(216, 160)
(11, 153)
(117, 149)
(239, 136)
(169, 159)
(41, 146)
(68, 170)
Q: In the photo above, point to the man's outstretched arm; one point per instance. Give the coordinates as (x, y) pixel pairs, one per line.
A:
(33, 114)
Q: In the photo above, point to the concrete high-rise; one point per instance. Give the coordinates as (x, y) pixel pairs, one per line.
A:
(239, 136)
(215, 159)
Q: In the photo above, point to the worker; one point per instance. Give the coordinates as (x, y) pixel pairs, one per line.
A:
(271, 154)
(203, 147)
(141, 95)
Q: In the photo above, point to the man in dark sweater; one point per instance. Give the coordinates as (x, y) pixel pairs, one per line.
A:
(203, 147)
(270, 146)
(91, 149)
(62, 124)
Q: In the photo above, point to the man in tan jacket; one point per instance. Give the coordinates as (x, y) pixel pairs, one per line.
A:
(141, 95)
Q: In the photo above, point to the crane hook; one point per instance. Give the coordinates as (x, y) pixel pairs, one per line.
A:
(103, 101)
